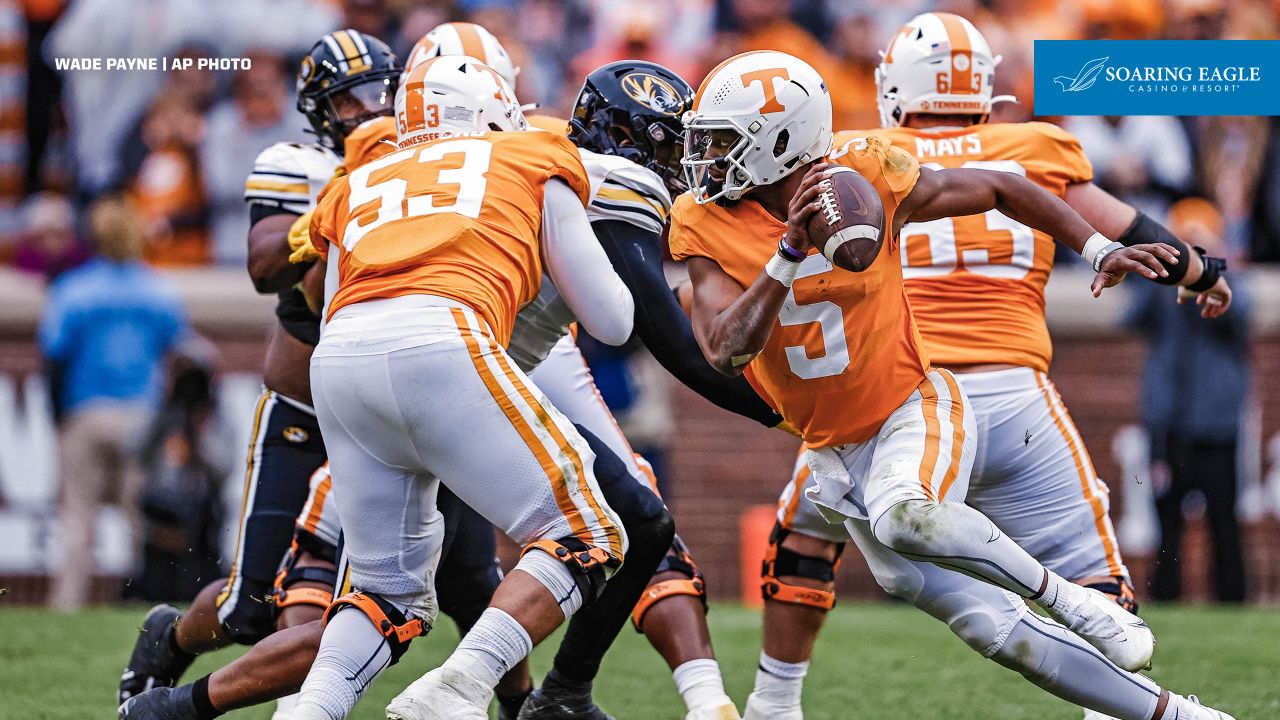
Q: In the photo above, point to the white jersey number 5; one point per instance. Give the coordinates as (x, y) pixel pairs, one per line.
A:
(835, 356)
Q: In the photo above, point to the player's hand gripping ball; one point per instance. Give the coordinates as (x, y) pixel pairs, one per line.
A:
(848, 227)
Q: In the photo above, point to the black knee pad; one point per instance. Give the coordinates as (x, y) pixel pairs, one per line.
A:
(779, 561)
(285, 594)
(677, 560)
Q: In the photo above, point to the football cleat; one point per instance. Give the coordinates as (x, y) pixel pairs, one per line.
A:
(442, 694)
(154, 663)
(1117, 633)
(727, 711)
(561, 699)
(1202, 712)
(759, 708)
(1095, 715)
(161, 703)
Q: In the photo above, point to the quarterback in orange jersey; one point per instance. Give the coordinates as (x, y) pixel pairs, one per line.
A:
(889, 439)
(431, 250)
(976, 289)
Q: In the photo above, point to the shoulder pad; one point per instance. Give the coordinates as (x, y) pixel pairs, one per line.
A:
(623, 190)
(290, 175)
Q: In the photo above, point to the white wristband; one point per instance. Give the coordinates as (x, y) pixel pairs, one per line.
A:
(1096, 242)
(781, 269)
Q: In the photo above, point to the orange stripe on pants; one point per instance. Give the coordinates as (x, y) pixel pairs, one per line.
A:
(793, 505)
(957, 437)
(932, 436)
(1084, 468)
(317, 504)
(611, 533)
(552, 470)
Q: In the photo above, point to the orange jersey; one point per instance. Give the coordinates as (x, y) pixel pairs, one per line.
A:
(976, 283)
(548, 123)
(844, 352)
(456, 217)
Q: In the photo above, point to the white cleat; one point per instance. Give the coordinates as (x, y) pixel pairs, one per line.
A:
(759, 708)
(1117, 633)
(727, 711)
(442, 694)
(284, 707)
(1095, 715)
(1201, 712)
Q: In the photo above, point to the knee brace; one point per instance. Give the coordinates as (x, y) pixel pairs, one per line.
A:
(588, 564)
(678, 560)
(782, 561)
(1119, 590)
(290, 574)
(398, 629)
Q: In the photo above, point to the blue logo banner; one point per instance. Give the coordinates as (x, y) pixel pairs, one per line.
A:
(1157, 77)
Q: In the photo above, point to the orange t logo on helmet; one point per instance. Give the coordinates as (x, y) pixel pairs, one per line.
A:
(765, 78)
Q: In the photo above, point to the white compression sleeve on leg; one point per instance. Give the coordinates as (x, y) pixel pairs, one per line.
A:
(555, 577)
(492, 647)
(580, 268)
(700, 683)
(1057, 660)
(352, 653)
(780, 682)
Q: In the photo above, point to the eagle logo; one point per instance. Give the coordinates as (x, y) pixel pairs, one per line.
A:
(652, 92)
(1084, 79)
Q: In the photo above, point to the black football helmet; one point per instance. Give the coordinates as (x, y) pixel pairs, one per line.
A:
(346, 79)
(632, 109)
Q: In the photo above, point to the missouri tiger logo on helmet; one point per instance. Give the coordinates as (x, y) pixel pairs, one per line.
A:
(938, 63)
(464, 38)
(346, 79)
(453, 95)
(756, 118)
(654, 92)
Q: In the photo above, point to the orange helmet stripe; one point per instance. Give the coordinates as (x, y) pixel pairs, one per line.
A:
(958, 37)
(697, 98)
(472, 44)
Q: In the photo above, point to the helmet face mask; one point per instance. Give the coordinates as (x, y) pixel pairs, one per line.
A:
(758, 117)
(631, 109)
(346, 79)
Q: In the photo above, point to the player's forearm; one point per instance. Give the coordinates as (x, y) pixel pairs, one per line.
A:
(1025, 202)
(268, 259)
(740, 331)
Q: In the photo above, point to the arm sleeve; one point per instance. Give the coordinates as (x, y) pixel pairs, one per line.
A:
(636, 255)
(580, 269)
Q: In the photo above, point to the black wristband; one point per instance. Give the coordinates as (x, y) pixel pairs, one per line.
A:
(1213, 269)
(1144, 231)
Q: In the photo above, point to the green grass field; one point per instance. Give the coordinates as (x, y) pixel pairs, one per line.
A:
(874, 662)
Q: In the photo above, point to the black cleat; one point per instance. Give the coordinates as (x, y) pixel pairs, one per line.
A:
(154, 662)
(160, 703)
(561, 699)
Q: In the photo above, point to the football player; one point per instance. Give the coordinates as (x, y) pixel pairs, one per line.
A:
(347, 81)
(347, 78)
(976, 288)
(889, 438)
(431, 251)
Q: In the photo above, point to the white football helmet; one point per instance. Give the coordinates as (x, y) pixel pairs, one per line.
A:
(453, 95)
(464, 38)
(757, 117)
(938, 63)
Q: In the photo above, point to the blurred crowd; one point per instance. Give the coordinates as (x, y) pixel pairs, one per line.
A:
(176, 146)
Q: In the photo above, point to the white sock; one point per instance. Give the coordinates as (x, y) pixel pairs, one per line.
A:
(700, 683)
(555, 577)
(495, 643)
(1180, 707)
(1059, 593)
(780, 682)
(352, 653)
(284, 707)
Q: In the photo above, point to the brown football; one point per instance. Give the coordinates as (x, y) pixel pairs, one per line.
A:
(849, 225)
